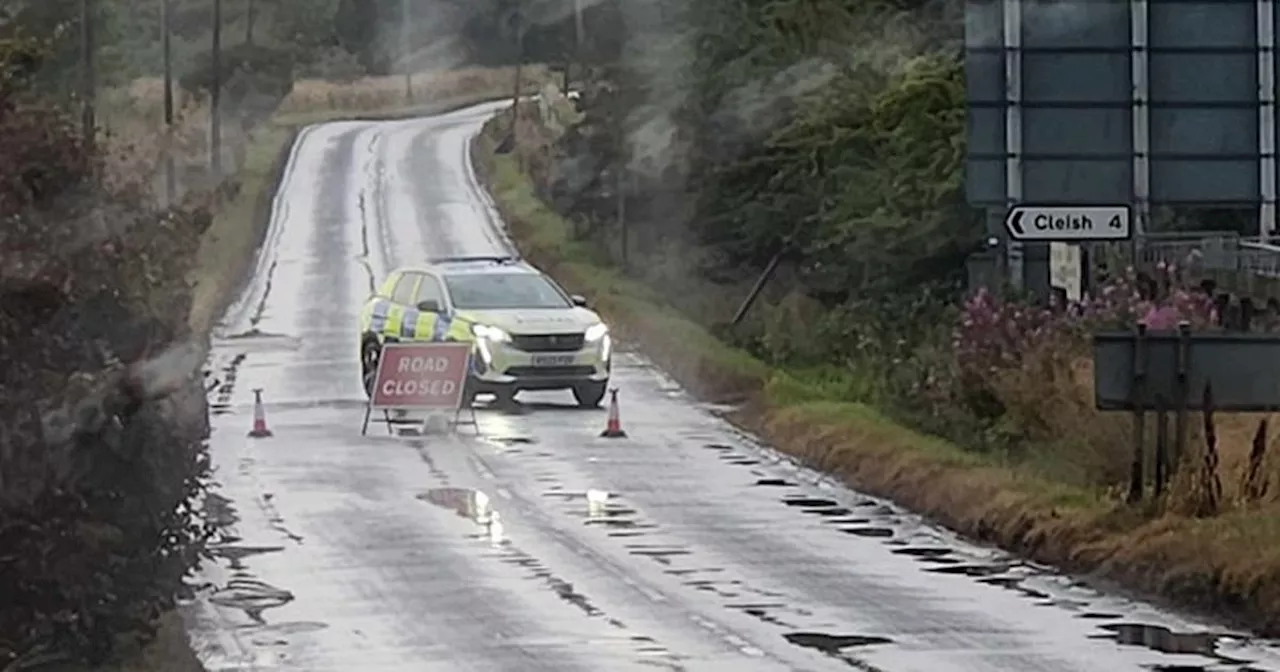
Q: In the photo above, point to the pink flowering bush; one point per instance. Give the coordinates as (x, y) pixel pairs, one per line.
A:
(1010, 371)
(994, 333)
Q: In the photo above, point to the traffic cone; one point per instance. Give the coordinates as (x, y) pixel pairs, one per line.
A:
(613, 430)
(259, 430)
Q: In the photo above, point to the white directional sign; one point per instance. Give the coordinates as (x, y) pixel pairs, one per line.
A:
(1067, 223)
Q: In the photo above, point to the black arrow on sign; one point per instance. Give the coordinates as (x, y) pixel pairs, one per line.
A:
(1015, 224)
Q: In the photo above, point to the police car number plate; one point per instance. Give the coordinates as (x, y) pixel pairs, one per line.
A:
(552, 360)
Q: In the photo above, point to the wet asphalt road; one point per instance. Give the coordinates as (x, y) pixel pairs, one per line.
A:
(709, 553)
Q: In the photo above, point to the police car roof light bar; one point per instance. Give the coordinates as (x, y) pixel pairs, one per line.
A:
(497, 259)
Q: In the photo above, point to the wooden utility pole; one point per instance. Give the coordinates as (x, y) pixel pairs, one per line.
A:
(166, 46)
(405, 11)
(215, 93)
(622, 211)
(88, 81)
(518, 20)
(250, 12)
(579, 34)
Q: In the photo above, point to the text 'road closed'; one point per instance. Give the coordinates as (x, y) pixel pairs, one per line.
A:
(421, 376)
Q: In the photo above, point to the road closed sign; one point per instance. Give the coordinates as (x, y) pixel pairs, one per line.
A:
(421, 376)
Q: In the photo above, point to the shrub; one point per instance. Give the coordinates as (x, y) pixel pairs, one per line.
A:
(101, 415)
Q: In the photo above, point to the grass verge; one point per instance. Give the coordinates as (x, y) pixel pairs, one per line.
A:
(1227, 565)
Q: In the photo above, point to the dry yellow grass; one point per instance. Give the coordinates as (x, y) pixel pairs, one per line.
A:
(1227, 563)
(381, 93)
(132, 118)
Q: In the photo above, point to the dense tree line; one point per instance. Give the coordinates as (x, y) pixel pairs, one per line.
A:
(830, 131)
(325, 37)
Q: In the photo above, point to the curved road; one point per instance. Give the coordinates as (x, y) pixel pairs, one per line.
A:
(712, 552)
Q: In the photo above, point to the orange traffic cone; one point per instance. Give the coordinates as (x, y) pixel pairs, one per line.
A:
(259, 417)
(613, 430)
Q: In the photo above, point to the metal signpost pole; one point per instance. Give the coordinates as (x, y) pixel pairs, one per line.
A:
(1138, 65)
(1267, 119)
(1013, 130)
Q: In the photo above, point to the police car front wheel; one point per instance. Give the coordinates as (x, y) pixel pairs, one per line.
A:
(589, 395)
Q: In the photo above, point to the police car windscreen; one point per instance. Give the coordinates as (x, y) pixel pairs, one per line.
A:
(500, 291)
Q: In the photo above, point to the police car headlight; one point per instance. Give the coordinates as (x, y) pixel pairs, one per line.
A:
(490, 333)
(596, 332)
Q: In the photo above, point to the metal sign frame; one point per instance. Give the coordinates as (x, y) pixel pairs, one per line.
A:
(1121, 102)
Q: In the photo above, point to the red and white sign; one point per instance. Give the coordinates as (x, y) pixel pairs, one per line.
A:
(421, 375)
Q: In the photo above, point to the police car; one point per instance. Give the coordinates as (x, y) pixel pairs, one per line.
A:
(526, 332)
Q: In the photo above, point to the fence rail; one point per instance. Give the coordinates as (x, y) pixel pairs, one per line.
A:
(1222, 255)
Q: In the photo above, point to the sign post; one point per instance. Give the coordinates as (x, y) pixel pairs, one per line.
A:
(1066, 271)
(422, 377)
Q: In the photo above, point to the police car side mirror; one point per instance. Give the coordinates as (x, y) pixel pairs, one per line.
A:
(429, 306)
(579, 300)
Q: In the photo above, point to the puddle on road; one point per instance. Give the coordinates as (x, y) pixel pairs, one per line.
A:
(1165, 640)
(709, 586)
(870, 532)
(832, 643)
(1015, 583)
(1098, 616)
(976, 571)
(695, 570)
(220, 513)
(474, 504)
(836, 646)
(776, 482)
(606, 512)
(620, 523)
(809, 502)
(509, 440)
(225, 386)
(260, 340)
(847, 521)
(829, 511)
(236, 554)
(660, 555)
(465, 502)
(511, 444)
(761, 612)
(251, 596)
(923, 552)
(645, 646)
